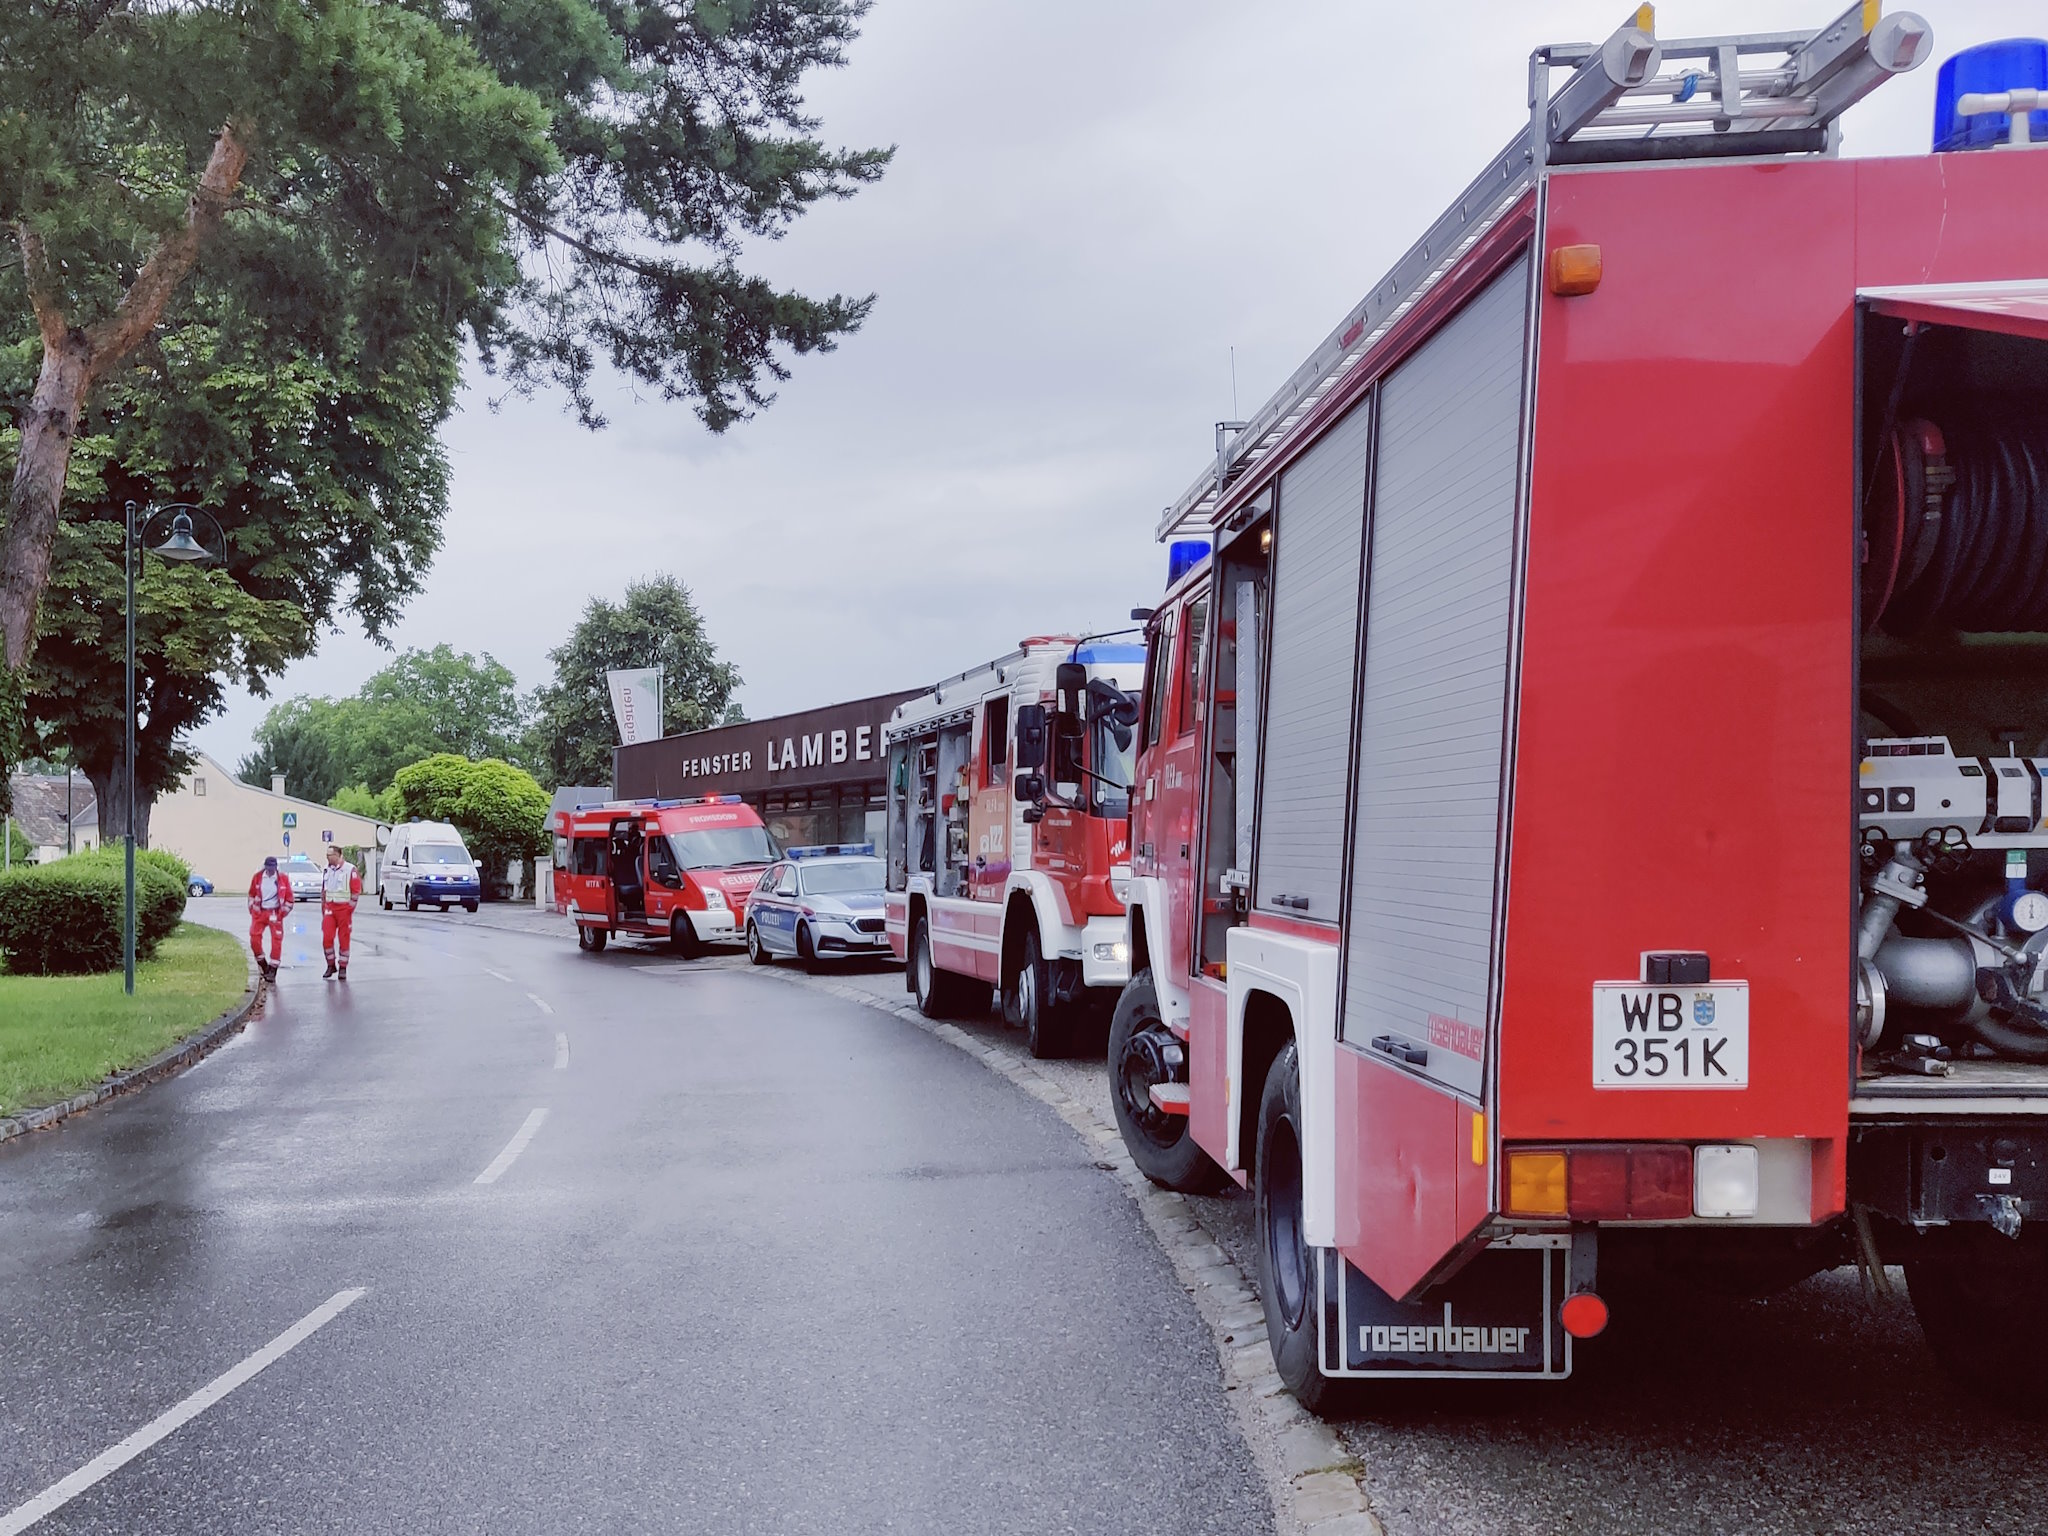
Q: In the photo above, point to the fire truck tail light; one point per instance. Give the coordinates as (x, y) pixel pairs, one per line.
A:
(1724, 1181)
(1537, 1184)
(1614, 1182)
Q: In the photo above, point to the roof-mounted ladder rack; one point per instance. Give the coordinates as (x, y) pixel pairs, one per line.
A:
(1630, 98)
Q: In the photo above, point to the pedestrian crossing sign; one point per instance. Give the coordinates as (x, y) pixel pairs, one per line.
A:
(291, 819)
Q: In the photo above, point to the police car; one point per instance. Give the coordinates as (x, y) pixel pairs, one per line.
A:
(818, 904)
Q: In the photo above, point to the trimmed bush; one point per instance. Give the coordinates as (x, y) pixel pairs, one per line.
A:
(64, 918)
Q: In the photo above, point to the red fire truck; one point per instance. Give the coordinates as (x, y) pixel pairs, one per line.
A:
(678, 870)
(1009, 836)
(1589, 832)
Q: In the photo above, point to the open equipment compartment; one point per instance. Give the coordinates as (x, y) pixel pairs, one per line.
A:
(1951, 938)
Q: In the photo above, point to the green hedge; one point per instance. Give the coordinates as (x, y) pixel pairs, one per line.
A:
(64, 918)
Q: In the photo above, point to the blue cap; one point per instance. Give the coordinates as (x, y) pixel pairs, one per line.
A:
(1990, 68)
(270, 862)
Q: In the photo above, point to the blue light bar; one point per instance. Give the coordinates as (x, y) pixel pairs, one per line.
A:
(1182, 556)
(1989, 69)
(831, 851)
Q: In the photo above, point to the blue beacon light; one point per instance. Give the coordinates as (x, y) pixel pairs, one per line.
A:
(1989, 69)
(1182, 556)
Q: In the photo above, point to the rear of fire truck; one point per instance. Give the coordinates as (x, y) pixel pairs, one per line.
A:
(1652, 895)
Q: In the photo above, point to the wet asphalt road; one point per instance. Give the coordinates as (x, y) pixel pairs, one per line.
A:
(771, 1262)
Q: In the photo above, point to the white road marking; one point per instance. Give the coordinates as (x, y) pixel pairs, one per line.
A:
(505, 1158)
(561, 1052)
(107, 1462)
(499, 974)
(540, 1002)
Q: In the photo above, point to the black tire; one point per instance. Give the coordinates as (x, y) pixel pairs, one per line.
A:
(682, 937)
(1978, 1296)
(440, 906)
(756, 950)
(591, 939)
(806, 951)
(1286, 1264)
(1142, 1051)
(469, 906)
(410, 904)
(195, 889)
(940, 994)
(1044, 1021)
(384, 896)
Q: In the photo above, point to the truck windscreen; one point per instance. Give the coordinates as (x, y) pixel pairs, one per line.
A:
(723, 847)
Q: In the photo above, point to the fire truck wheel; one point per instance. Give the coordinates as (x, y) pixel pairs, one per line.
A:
(1143, 1051)
(1286, 1265)
(1031, 1002)
(682, 937)
(1977, 1294)
(940, 994)
(756, 950)
(592, 939)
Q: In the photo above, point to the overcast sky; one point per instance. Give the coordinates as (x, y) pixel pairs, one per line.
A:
(1093, 203)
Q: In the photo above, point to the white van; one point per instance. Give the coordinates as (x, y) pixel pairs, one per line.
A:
(425, 864)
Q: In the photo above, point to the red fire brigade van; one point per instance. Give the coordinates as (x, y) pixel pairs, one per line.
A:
(1590, 829)
(1009, 836)
(678, 870)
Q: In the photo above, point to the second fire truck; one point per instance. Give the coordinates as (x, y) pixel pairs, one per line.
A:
(1590, 835)
(1009, 836)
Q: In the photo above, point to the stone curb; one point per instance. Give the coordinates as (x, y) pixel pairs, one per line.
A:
(171, 1059)
(1310, 1474)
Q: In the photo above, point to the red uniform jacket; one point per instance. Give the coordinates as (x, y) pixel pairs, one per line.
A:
(284, 891)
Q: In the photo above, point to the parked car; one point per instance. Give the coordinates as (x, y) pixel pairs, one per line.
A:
(304, 875)
(425, 863)
(198, 885)
(818, 904)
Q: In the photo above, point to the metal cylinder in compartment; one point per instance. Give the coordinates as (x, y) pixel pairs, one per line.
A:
(1929, 973)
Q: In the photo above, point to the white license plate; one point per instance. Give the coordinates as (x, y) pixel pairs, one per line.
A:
(1670, 1037)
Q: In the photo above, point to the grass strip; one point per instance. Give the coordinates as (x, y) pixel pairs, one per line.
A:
(59, 1035)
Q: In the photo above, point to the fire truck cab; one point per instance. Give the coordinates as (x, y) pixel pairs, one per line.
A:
(1009, 836)
(1590, 830)
(679, 870)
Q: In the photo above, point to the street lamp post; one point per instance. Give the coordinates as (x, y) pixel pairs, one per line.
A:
(180, 546)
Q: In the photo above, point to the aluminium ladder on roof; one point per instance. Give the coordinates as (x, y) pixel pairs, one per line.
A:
(1762, 94)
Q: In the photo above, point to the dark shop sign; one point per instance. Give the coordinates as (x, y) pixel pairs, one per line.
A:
(839, 744)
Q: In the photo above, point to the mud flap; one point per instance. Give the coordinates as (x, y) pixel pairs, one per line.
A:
(1496, 1317)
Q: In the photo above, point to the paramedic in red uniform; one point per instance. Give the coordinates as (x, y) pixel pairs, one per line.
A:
(340, 886)
(270, 897)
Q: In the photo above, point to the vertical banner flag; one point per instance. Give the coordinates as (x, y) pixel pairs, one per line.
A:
(636, 701)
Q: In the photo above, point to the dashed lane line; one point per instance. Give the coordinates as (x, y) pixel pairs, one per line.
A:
(540, 1002)
(561, 1053)
(57, 1495)
(500, 975)
(513, 1148)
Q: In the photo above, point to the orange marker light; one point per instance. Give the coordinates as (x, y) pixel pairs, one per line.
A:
(1478, 1139)
(1573, 270)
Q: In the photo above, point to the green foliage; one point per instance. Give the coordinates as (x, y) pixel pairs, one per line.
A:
(424, 702)
(357, 800)
(19, 849)
(499, 809)
(573, 731)
(64, 918)
(61, 1034)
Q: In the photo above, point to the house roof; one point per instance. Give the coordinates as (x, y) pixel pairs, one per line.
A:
(39, 807)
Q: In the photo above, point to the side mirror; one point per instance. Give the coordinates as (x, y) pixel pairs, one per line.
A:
(1030, 736)
(1033, 815)
(1070, 683)
(1030, 787)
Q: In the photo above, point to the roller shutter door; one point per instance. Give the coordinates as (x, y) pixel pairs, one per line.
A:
(1419, 943)
(1319, 522)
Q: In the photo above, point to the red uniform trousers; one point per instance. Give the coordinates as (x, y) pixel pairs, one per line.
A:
(335, 922)
(274, 921)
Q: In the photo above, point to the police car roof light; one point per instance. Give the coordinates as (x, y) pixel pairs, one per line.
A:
(831, 850)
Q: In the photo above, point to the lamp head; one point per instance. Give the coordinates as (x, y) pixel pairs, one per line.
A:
(181, 545)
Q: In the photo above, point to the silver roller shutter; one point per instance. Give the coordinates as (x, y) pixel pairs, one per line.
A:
(1319, 523)
(1419, 947)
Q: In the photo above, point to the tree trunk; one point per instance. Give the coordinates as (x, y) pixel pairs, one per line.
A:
(110, 789)
(47, 429)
